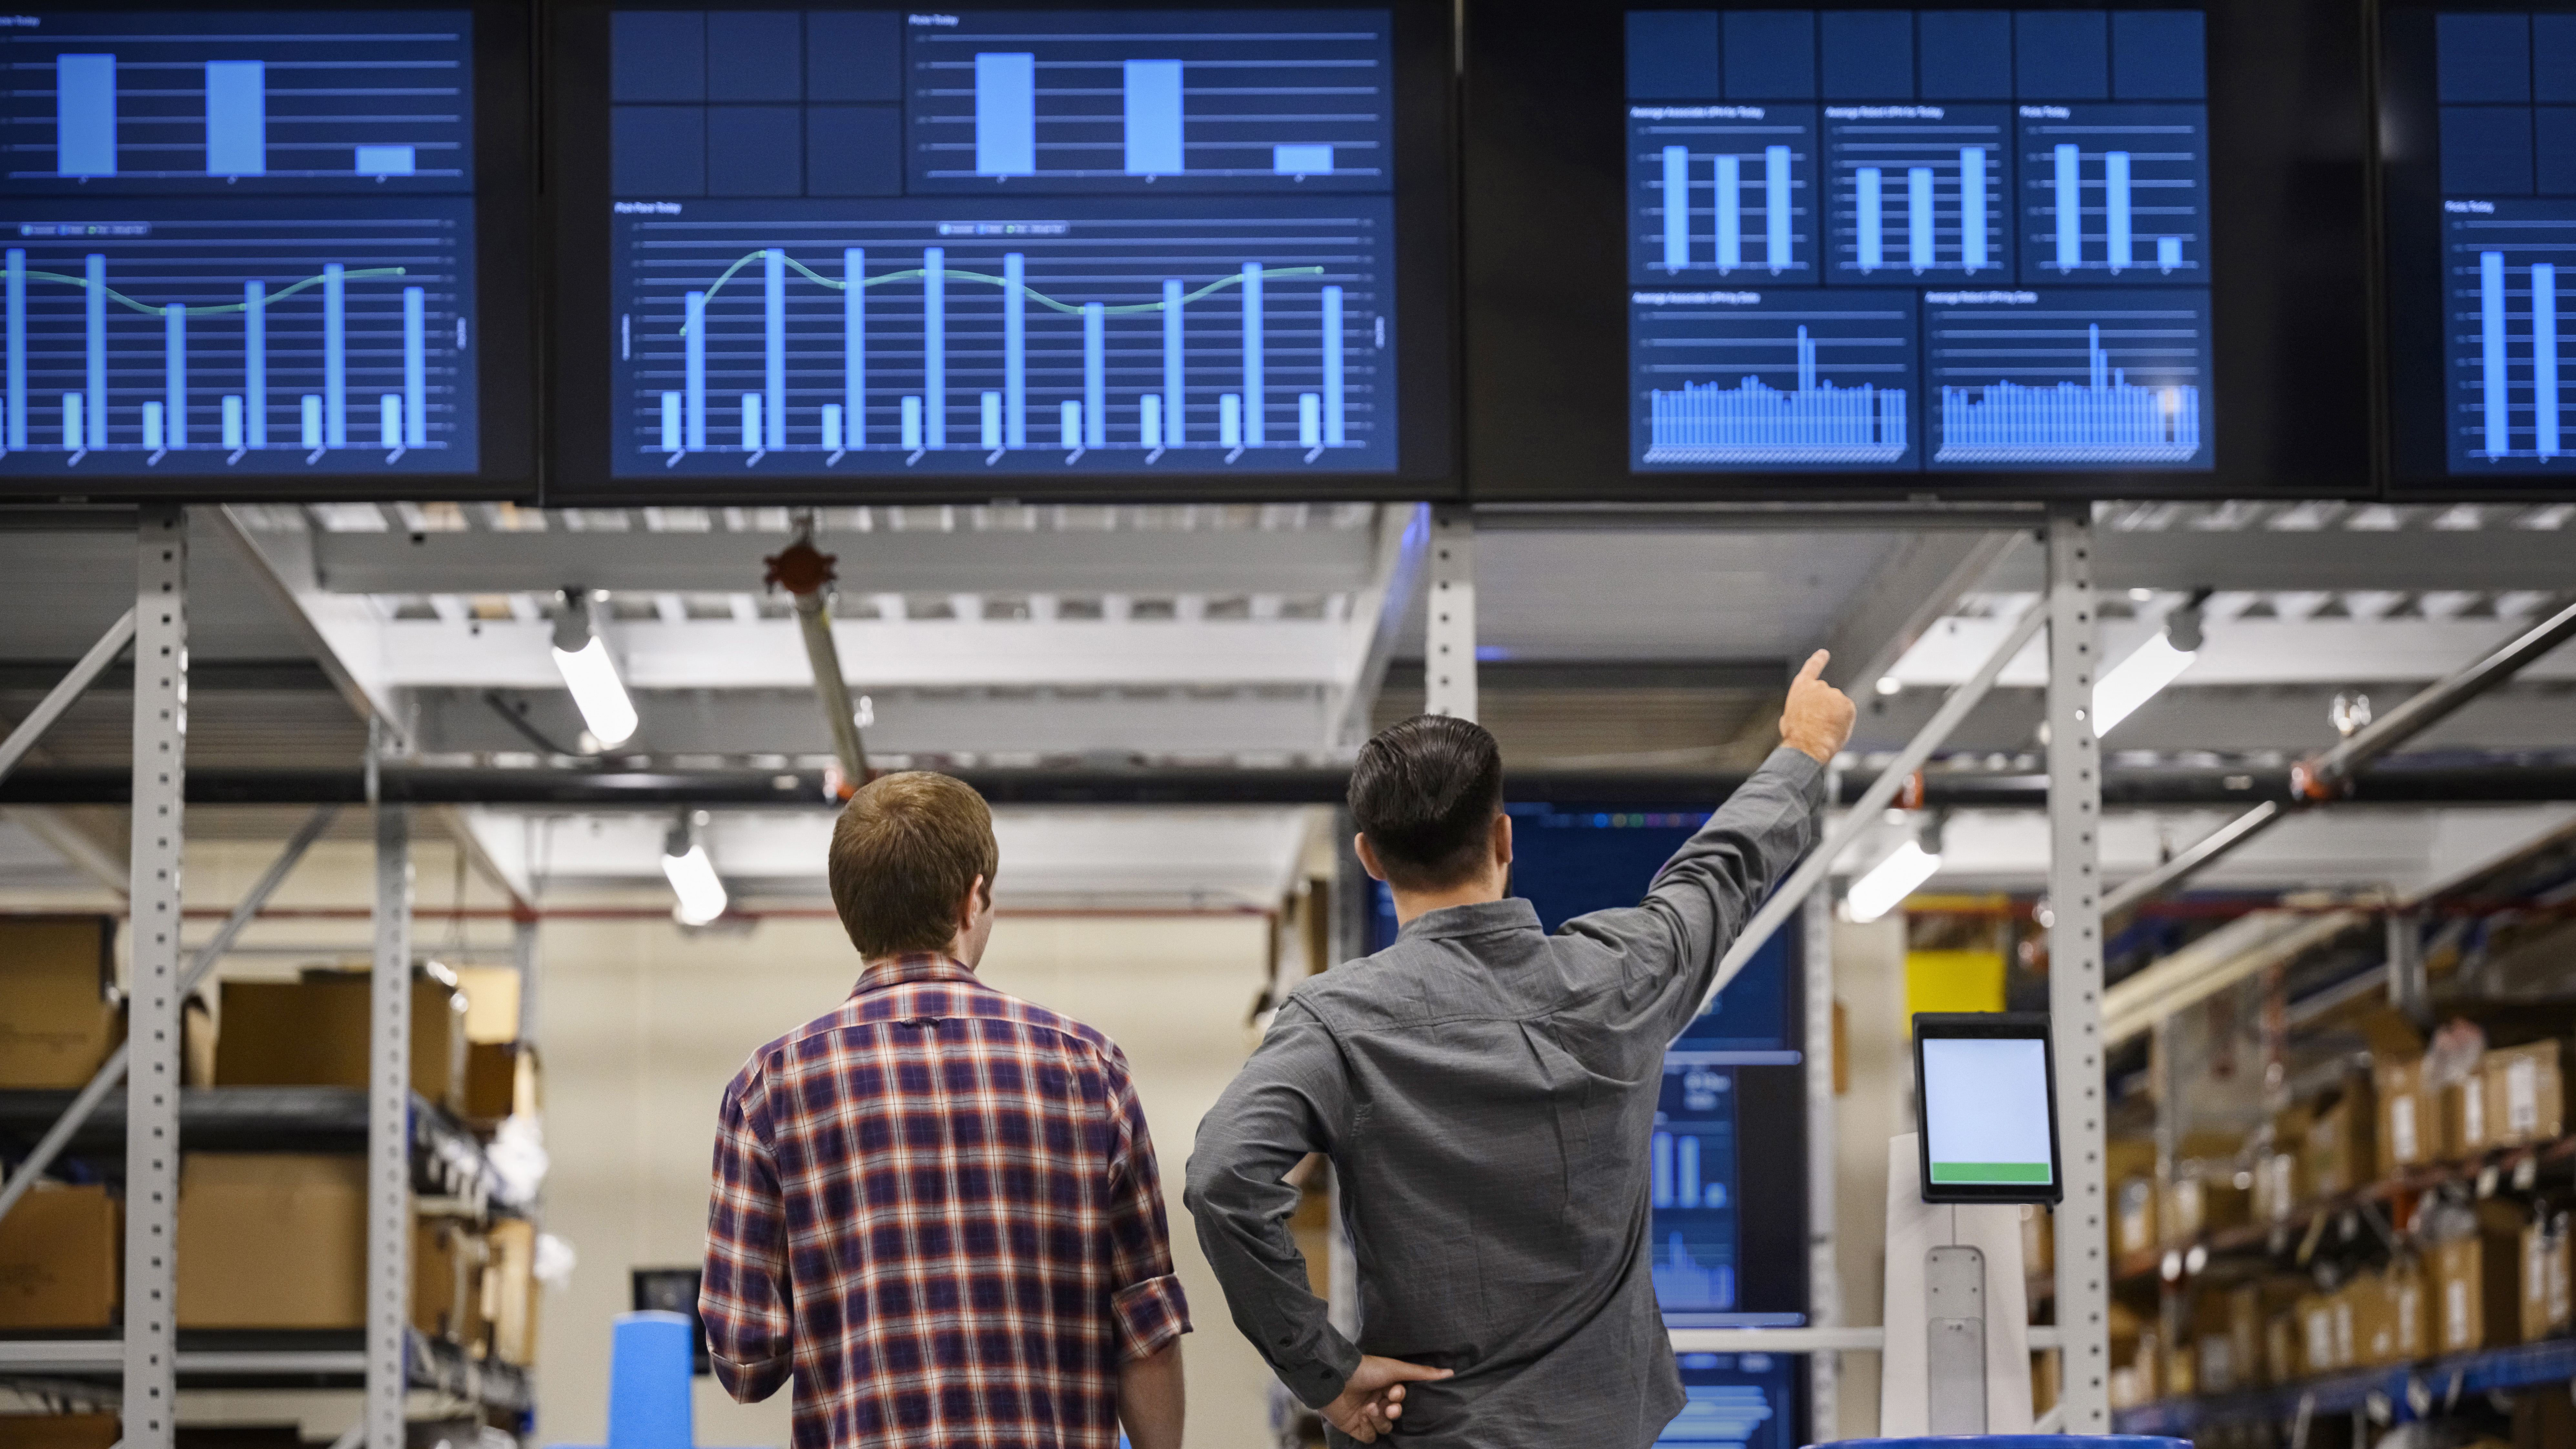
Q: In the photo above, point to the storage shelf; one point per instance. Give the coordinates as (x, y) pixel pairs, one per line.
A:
(2405, 1391)
(256, 1359)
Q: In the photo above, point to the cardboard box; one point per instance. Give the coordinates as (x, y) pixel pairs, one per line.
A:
(2135, 1217)
(2477, 1291)
(2339, 1154)
(2544, 1298)
(2464, 1117)
(448, 1261)
(272, 1240)
(57, 1023)
(491, 1003)
(2374, 1320)
(2278, 1187)
(60, 1252)
(2201, 1202)
(60, 1431)
(2320, 1352)
(2410, 1124)
(500, 1081)
(313, 1033)
(2243, 1308)
(2409, 1299)
(510, 1291)
(2542, 1420)
(2282, 1361)
(2526, 1094)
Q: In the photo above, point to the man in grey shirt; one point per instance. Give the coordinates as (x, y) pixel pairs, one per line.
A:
(1486, 1092)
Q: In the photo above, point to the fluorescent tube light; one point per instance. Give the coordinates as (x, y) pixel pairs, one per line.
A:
(693, 880)
(597, 692)
(1890, 881)
(2135, 680)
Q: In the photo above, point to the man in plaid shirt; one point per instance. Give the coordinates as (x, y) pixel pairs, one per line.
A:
(937, 1206)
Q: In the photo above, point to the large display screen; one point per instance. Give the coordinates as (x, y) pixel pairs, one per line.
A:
(941, 249)
(1736, 1401)
(238, 245)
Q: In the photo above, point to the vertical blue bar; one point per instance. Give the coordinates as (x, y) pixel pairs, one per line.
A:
(17, 302)
(94, 304)
(751, 429)
(934, 341)
(389, 420)
(1310, 420)
(85, 128)
(1015, 350)
(1873, 218)
(832, 428)
(1229, 420)
(2115, 203)
(670, 422)
(152, 427)
(773, 277)
(335, 355)
(309, 413)
(911, 424)
(990, 434)
(1918, 217)
(1068, 424)
(1775, 205)
(2544, 359)
(1676, 207)
(255, 360)
(694, 317)
(1154, 118)
(174, 371)
(854, 347)
(2499, 435)
(73, 430)
(1174, 383)
(1006, 127)
(1149, 419)
(1095, 380)
(415, 368)
(1730, 211)
(1806, 361)
(232, 421)
(1333, 410)
(2168, 252)
(2070, 208)
(1972, 206)
(236, 118)
(1253, 430)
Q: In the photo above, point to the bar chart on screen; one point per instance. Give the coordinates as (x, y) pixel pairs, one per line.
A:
(2092, 377)
(1722, 192)
(1696, 1227)
(1786, 379)
(366, 101)
(1143, 101)
(1229, 337)
(2113, 193)
(199, 342)
(1917, 193)
(2509, 279)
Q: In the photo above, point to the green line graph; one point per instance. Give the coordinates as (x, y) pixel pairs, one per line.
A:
(148, 310)
(1069, 309)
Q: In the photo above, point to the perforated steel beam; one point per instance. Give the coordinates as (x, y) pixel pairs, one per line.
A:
(2075, 975)
(153, 988)
(1449, 643)
(389, 1135)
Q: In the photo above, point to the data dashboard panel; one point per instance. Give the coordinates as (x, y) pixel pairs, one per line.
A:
(1005, 250)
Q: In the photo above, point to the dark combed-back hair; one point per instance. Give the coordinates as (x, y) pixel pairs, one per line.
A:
(904, 853)
(1425, 792)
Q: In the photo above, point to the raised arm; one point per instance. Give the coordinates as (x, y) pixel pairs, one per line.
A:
(744, 1297)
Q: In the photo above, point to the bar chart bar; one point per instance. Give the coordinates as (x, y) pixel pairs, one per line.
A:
(1068, 424)
(85, 130)
(1662, 1173)
(2070, 207)
(1229, 420)
(694, 309)
(1873, 218)
(2115, 207)
(387, 160)
(1095, 383)
(152, 437)
(236, 118)
(73, 431)
(2544, 358)
(1730, 211)
(94, 303)
(911, 433)
(671, 422)
(1676, 207)
(415, 368)
(16, 437)
(309, 414)
(1334, 419)
(174, 372)
(1918, 217)
(1006, 127)
(1149, 419)
(389, 428)
(1254, 432)
(989, 421)
(854, 348)
(255, 360)
(1775, 204)
(1174, 380)
(2499, 434)
(751, 429)
(2168, 252)
(1301, 160)
(773, 298)
(934, 340)
(1972, 206)
(1154, 118)
(335, 355)
(1310, 420)
(832, 436)
(1015, 349)
(232, 406)
(1686, 1172)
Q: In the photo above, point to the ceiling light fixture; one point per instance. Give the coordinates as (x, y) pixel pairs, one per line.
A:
(2140, 677)
(1890, 881)
(581, 656)
(692, 875)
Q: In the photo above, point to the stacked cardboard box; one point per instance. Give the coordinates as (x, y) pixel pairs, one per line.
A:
(2476, 1282)
(279, 1241)
(510, 1291)
(2525, 1092)
(57, 1018)
(313, 1033)
(60, 1256)
(2337, 1152)
(60, 1431)
(2545, 1296)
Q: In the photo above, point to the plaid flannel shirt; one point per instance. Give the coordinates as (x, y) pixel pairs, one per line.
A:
(938, 1207)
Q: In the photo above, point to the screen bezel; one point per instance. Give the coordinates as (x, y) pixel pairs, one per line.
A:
(1985, 1026)
(576, 208)
(505, 293)
(1547, 319)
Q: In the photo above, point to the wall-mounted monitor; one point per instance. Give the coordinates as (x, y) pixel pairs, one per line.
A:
(263, 253)
(2479, 146)
(830, 253)
(1847, 251)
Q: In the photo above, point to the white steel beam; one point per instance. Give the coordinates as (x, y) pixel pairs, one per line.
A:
(153, 989)
(389, 1135)
(1824, 1285)
(2075, 975)
(1449, 642)
(2240, 651)
(60, 698)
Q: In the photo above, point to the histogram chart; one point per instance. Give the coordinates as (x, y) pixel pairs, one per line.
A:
(1722, 192)
(1149, 101)
(2114, 194)
(1228, 336)
(200, 343)
(1696, 1232)
(1803, 379)
(1917, 193)
(360, 101)
(2510, 275)
(1734, 1401)
(2071, 378)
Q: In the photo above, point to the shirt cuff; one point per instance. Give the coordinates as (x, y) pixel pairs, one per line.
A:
(1801, 770)
(1319, 1381)
(1150, 1315)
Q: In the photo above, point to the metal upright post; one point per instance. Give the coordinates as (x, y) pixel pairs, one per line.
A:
(389, 1136)
(152, 1080)
(2075, 974)
(1449, 643)
(1824, 1285)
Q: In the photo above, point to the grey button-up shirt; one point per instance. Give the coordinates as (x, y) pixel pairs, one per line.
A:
(1486, 1092)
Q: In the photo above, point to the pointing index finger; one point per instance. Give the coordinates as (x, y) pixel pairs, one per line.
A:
(1814, 668)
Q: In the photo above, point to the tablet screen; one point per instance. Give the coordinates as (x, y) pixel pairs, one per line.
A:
(1985, 1112)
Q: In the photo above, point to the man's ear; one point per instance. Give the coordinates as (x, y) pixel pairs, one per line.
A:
(978, 897)
(1368, 857)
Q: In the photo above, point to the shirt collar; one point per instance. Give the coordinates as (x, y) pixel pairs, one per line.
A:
(906, 969)
(1484, 918)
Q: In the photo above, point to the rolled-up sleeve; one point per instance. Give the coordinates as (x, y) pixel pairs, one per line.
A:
(1146, 1305)
(744, 1296)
